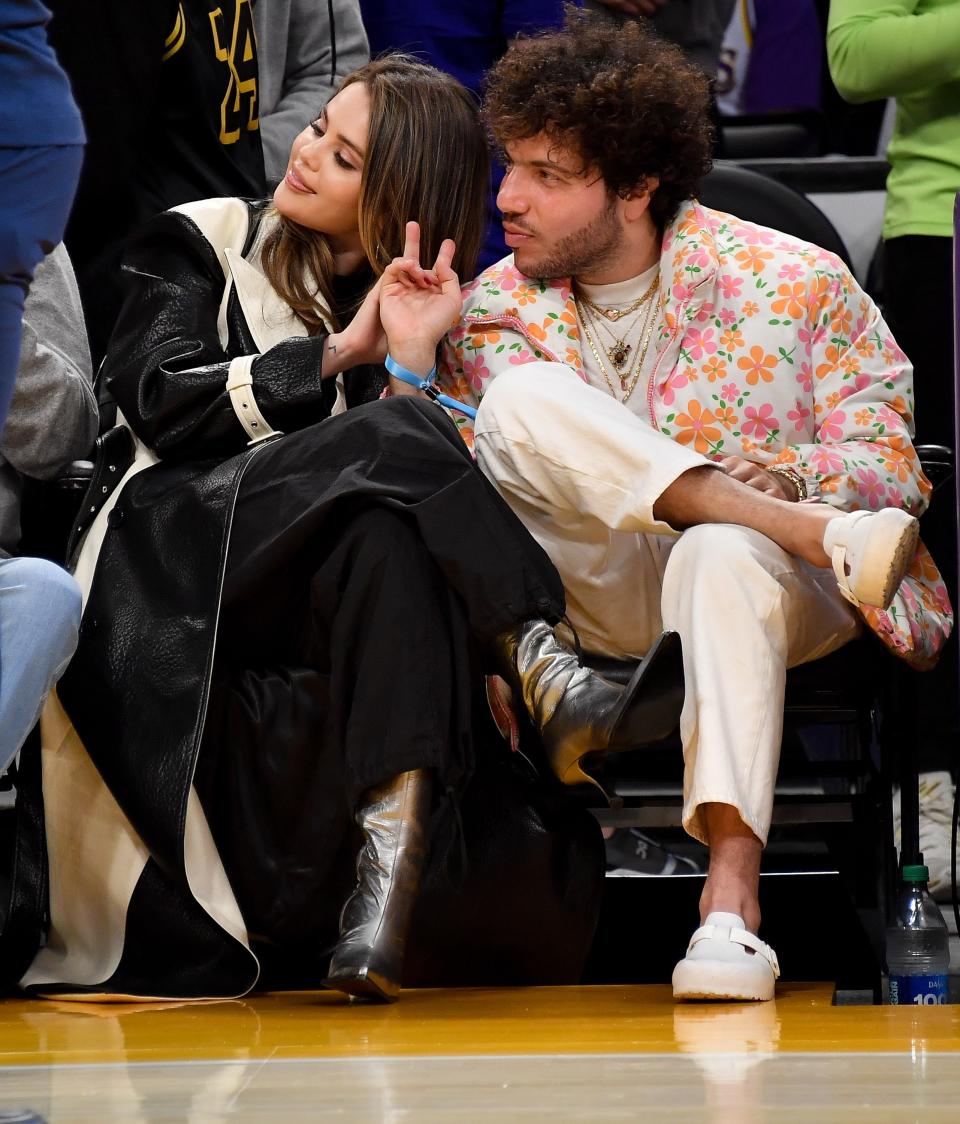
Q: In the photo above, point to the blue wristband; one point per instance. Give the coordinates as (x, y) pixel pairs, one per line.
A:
(406, 376)
(426, 385)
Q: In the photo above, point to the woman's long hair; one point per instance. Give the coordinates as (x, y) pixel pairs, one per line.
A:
(426, 160)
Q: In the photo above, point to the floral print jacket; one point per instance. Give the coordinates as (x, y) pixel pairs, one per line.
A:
(767, 349)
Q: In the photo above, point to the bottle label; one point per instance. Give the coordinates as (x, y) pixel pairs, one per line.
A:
(922, 991)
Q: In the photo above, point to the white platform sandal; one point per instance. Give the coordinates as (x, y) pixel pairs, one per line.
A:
(871, 552)
(725, 961)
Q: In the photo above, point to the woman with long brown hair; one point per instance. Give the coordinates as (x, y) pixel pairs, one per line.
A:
(294, 588)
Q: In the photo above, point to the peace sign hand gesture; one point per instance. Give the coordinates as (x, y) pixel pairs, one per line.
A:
(418, 306)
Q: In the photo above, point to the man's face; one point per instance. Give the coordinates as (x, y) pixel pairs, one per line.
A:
(558, 218)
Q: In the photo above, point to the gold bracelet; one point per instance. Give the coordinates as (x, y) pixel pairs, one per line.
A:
(793, 476)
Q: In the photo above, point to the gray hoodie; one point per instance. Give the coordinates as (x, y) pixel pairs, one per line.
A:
(305, 49)
(53, 415)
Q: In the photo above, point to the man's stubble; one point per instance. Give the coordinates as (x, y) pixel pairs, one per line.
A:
(583, 252)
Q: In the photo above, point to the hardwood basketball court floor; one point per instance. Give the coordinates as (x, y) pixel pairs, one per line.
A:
(577, 1053)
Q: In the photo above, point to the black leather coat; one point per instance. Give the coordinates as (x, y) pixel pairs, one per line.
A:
(148, 631)
(138, 687)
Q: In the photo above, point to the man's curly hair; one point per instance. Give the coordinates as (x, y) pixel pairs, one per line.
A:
(627, 102)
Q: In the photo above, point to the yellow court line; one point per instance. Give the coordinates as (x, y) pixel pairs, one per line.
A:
(478, 1022)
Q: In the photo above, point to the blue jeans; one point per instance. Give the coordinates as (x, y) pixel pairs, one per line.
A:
(36, 191)
(39, 618)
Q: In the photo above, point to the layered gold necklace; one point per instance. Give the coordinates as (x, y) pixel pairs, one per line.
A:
(595, 317)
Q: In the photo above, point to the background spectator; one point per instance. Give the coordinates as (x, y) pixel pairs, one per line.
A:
(772, 58)
(41, 141)
(465, 40)
(39, 619)
(170, 97)
(698, 26)
(305, 49)
(910, 50)
(52, 421)
(53, 414)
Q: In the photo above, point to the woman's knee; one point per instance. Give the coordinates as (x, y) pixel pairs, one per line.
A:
(415, 410)
(407, 423)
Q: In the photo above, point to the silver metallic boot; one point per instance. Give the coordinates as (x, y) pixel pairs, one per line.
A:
(368, 959)
(577, 711)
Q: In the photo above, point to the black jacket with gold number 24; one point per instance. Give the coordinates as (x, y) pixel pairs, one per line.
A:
(169, 93)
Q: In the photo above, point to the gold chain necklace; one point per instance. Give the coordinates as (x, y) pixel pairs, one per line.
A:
(596, 355)
(617, 354)
(616, 314)
(628, 381)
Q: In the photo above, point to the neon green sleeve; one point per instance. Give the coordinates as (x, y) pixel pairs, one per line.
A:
(886, 48)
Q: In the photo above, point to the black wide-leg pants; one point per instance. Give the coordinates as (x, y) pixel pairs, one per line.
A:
(370, 566)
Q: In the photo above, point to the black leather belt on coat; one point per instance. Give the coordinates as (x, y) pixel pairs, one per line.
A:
(113, 454)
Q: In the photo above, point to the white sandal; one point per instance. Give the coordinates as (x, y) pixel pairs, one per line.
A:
(724, 961)
(871, 552)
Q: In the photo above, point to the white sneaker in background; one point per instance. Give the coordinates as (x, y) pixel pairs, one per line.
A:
(936, 824)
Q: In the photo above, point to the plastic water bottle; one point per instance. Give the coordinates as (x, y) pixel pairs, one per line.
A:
(918, 945)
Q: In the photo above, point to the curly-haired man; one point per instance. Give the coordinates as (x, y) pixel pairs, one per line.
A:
(659, 386)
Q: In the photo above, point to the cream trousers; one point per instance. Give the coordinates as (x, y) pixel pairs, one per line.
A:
(583, 473)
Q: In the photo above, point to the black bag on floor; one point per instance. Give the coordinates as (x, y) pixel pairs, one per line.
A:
(524, 908)
(511, 894)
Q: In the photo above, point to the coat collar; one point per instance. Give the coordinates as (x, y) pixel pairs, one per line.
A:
(269, 318)
(689, 259)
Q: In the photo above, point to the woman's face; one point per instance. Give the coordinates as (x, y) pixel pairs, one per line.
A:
(321, 189)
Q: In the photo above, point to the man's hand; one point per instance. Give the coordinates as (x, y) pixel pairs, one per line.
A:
(418, 306)
(635, 7)
(756, 476)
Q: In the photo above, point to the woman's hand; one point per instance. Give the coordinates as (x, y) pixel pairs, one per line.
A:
(756, 476)
(418, 306)
(366, 333)
(362, 341)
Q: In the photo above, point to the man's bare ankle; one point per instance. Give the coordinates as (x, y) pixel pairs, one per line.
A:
(743, 907)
